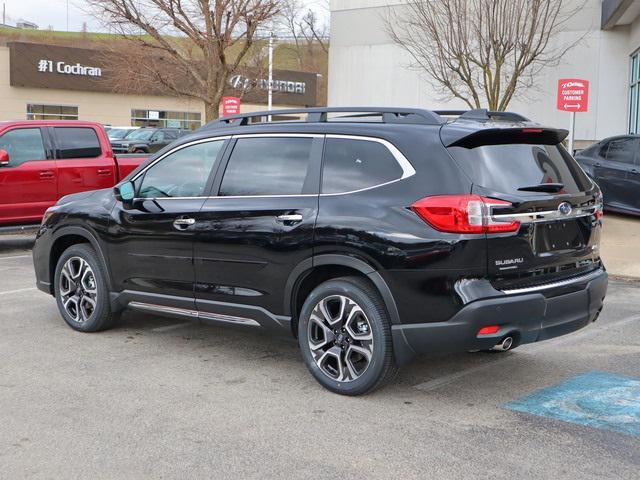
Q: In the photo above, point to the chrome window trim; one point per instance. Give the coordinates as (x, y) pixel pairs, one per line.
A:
(403, 162)
(278, 135)
(173, 150)
(560, 283)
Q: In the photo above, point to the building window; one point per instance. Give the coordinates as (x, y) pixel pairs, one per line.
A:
(51, 112)
(157, 118)
(634, 94)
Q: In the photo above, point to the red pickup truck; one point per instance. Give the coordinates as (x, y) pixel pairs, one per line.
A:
(42, 161)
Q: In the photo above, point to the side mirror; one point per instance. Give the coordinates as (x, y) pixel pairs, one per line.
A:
(125, 193)
(4, 158)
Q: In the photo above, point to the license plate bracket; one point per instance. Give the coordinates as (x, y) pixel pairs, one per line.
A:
(557, 236)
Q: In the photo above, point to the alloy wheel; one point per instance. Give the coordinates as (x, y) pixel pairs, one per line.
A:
(340, 338)
(78, 289)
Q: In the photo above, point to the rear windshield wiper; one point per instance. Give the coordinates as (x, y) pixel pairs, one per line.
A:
(543, 187)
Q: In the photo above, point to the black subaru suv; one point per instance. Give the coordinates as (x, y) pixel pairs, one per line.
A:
(370, 234)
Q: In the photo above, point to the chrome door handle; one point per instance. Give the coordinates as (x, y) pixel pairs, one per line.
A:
(292, 218)
(183, 223)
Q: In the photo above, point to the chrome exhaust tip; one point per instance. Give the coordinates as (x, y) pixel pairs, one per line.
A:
(504, 345)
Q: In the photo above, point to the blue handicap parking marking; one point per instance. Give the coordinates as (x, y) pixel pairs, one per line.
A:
(595, 399)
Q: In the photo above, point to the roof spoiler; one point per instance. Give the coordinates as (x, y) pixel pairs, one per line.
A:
(483, 115)
(534, 135)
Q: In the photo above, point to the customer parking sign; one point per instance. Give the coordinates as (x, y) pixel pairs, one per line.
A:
(573, 95)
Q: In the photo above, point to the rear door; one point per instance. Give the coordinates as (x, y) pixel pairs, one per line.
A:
(81, 163)
(544, 189)
(258, 227)
(28, 185)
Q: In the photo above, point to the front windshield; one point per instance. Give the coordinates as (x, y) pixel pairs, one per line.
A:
(118, 133)
(141, 134)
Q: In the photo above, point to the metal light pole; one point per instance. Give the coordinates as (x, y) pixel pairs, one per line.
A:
(572, 128)
(270, 83)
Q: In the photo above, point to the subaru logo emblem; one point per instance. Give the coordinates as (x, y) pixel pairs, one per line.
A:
(564, 208)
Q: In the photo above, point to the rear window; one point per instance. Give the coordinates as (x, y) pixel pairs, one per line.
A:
(505, 168)
(78, 142)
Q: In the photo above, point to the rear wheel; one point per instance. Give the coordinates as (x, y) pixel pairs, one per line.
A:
(345, 336)
(81, 290)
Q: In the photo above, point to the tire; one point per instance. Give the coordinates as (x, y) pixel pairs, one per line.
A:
(81, 290)
(342, 322)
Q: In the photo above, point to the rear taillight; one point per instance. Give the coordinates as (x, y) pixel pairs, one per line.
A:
(463, 214)
(599, 212)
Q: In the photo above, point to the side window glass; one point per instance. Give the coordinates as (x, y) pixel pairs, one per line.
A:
(267, 166)
(158, 136)
(350, 165)
(602, 151)
(77, 142)
(183, 173)
(622, 150)
(23, 145)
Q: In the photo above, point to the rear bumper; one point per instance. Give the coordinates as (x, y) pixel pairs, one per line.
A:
(527, 317)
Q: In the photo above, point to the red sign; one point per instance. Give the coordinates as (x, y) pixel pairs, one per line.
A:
(230, 106)
(573, 95)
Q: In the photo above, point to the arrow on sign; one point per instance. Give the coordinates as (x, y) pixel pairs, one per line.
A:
(571, 105)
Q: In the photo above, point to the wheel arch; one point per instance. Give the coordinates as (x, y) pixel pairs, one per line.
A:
(68, 236)
(301, 280)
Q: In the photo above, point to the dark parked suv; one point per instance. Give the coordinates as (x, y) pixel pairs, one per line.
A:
(371, 235)
(147, 140)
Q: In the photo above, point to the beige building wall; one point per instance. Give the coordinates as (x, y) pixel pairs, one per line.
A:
(367, 68)
(107, 108)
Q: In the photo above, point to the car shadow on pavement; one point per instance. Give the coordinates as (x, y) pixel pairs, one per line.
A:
(16, 243)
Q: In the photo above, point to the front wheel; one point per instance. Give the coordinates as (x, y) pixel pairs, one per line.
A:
(345, 337)
(81, 290)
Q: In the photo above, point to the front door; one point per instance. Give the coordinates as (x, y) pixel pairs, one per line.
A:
(82, 165)
(257, 229)
(152, 243)
(28, 184)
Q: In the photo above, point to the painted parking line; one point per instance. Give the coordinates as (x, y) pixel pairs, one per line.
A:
(594, 399)
(588, 332)
(19, 290)
(168, 328)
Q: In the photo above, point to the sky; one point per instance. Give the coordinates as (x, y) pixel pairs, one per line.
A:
(53, 13)
(49, 12)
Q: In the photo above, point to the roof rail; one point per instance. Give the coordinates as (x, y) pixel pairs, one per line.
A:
(319, 114)
(482, 114)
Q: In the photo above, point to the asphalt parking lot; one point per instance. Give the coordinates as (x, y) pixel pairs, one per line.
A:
(160, 398)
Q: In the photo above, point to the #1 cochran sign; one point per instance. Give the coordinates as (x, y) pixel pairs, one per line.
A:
(230, 106)
(573, 95)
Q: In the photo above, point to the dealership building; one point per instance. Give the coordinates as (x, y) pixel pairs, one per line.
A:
(41, 81)
(367, 68)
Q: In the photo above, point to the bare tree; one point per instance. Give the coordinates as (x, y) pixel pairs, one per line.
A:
(305, 37)
(185, 47)
(481, 51)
